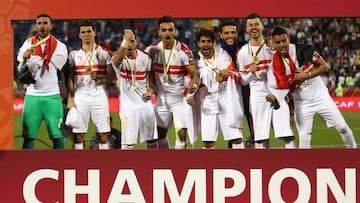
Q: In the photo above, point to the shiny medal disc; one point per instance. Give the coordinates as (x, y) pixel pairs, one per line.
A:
(32, 50)
(88, 69)
(133, 85)
(255, 60)
(218, 77)
(165, 78)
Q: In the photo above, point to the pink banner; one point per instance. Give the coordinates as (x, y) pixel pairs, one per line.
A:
(344, 103)
(211, 176)
(348, 103)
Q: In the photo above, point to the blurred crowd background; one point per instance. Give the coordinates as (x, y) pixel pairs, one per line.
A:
(336, 39)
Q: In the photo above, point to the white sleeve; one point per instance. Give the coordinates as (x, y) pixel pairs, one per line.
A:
(60, 55)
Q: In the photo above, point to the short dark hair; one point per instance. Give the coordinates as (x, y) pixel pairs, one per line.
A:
(87, 23)
(43, 15)
(226, 23)
(278, 31)
(252, 16)
(166, 19)
(205, 33)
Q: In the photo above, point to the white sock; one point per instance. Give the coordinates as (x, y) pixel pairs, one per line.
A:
(78, 146)
(209, 148)
(125, 146)
(305, 141)
(259, 145)
(180, 144)
(290, 144)
(238, 146)
(104, 145)
(347, 136)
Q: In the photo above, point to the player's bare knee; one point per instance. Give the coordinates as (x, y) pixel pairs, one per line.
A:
(343, 129)
(103, 137)
(288, 139)
(79, 137)
(182, 134)
(208, 144)
(236, 141)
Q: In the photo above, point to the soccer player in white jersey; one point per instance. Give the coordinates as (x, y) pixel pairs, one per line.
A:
(44, 55)
(230, 43)
(253, 60)
(132, 67)
(171, 61)
(90, 69)
(221, 100)
(309, 92)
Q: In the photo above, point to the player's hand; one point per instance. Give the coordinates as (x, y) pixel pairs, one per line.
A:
(253, 68)
(190, 100)
(270, 98)
(27, 54)
(93, 75)
(128, 35)
(224, 73)
(301, 75)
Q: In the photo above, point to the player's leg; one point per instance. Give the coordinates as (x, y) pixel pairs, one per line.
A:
(179, 111)
(282, 125)
(164, 121)
(209, 130)
(130, 127)
(147, 126)
(231, 134)
(246, 102)
(31, 121)
(262, 115)
(333, 117)
(54, 119)
(100, 116)
(304, 116)
(101, 119)
(83, 103)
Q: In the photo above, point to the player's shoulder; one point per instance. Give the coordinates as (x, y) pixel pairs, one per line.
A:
(105, 49)
(242, 50)
(154, 44)
(74, 50)
(184, 48)
(244, 47)
(59, 42)
(143, 54)
(28, 41)
(152, 48)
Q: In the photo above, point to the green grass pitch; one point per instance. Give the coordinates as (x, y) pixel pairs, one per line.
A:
(323, 137)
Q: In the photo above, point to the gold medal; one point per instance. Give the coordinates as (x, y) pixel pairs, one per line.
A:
(255, 60)
(88, 70)
(133, 85)
(32, 50)
(218, 77)
(257, 77)
(165, 78)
